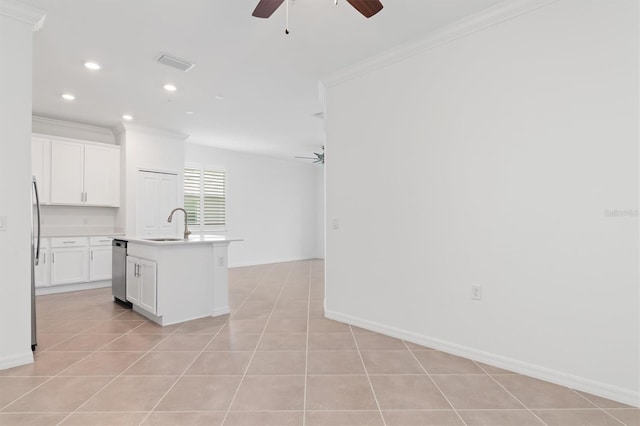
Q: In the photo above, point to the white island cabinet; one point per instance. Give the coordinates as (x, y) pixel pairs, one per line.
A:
(175, 281)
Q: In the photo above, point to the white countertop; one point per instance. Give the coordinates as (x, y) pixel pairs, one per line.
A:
(79, 232)
(193, 239)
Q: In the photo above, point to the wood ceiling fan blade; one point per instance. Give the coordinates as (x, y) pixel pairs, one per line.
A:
(367, 7)
(265, 8)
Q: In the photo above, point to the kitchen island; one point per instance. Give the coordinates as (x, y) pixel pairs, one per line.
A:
(172, 280)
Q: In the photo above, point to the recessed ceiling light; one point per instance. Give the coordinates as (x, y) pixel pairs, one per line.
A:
(220, 97)
(68, 96)
(170, 87)
(92, 66)
(189, 112)
(127, 117)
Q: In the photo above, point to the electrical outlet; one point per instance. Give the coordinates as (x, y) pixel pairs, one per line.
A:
(335, 224)
(476, 292)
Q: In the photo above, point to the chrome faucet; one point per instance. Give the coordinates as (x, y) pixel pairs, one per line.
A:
(186, 220)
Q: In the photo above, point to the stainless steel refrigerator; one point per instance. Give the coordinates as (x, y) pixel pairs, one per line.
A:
(35, 257)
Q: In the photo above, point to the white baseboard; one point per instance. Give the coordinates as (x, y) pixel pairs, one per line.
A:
(16, 360)
(267, 262)
(615, 393)
(71, 287)
(224, 310)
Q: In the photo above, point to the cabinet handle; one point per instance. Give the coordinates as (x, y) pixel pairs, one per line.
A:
(53, 258)
(91, 254)
(44, 257)
(85, 197)
(68, 242)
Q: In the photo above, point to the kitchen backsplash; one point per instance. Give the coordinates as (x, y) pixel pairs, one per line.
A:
(63, 221)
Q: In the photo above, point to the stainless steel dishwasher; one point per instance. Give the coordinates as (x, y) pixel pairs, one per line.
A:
(119, 271)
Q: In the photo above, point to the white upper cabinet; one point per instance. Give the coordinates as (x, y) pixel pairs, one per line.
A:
(41, 167)
(85, 174)
(67, 172)
(101, 175)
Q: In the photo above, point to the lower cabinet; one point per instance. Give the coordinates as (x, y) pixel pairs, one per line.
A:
(141, 283)
(69, 260)
(100, 259)
(73, 260)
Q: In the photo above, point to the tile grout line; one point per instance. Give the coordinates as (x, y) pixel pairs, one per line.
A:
(253, 354)
(183, 372)
(434, 382)
(306, 356)
(121, 373)
(366, 372)
(50, 378)
(594, 404)
(509, 392)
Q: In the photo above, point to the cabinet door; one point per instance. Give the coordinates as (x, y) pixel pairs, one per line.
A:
(100, 266)
(147, 277)
(69, 265)
(43, 270)
(99, 179)
(133, 284)
(41, 167)
(67, 171)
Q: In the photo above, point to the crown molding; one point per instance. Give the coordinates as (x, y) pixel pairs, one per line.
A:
(71, 125)
(501, 12)
(23, 13)
(124, 127)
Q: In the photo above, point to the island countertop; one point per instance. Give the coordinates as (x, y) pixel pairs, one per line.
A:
(193, 239)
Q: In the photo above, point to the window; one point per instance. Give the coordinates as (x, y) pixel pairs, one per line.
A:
(205, 198)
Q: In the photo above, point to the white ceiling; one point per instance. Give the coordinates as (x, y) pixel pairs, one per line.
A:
(269, 80)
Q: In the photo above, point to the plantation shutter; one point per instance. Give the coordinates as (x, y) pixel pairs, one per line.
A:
(192, 191)
(213, 188)
(204, 197)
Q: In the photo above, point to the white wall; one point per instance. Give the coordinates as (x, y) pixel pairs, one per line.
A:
(146, 149)
(16, 38)
(271, 204)
(491, 160)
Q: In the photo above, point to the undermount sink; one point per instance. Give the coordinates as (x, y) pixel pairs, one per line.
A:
(164, 239)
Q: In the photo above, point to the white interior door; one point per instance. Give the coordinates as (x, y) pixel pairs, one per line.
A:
(157, 196)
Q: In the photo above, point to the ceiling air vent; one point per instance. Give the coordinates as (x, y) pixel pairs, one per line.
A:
(319, 115)
(174, 62)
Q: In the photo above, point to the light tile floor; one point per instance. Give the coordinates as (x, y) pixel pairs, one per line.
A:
(274, 361)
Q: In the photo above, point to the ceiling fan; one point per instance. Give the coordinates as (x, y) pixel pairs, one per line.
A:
(318, 159)
(368, 8)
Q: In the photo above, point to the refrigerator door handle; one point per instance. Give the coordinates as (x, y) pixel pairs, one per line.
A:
(35, 188)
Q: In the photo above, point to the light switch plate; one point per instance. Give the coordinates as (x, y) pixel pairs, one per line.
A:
(3, 223)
